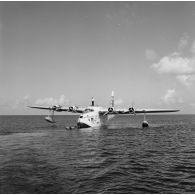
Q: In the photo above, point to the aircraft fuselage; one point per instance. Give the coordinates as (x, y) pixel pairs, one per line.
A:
(91, 118)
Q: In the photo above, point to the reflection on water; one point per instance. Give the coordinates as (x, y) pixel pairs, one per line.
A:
(120, 157)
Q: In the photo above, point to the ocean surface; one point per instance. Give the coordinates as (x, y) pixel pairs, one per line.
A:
(121, 157)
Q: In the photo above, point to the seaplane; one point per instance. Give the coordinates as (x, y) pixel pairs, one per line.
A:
(95, 116)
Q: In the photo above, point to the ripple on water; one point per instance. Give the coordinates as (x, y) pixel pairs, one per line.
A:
(119, 158)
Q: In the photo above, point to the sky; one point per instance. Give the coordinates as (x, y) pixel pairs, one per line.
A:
(67, 52)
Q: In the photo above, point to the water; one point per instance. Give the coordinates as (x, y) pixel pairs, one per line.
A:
(121, 157)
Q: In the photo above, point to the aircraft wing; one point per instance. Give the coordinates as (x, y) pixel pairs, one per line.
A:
(139, 111)
(58, 108)
(41, 107)
(136, 111)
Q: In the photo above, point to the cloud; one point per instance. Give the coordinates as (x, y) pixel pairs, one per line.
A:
(15, 103)
(183, 42)
(62, 100)
(46, 101)
(193, 48)
(52, 101)
(150, 54)
(186, 80)
(21, 102)
(183, 68)
(175, 64)
(170, 97)
(124, 15)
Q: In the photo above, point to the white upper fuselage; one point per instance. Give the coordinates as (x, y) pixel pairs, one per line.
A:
(90, 117)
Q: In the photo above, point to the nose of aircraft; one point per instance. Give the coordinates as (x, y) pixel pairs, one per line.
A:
(82, 123)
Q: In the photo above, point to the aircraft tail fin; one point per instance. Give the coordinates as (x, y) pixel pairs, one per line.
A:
(112, 99)
(92, 102)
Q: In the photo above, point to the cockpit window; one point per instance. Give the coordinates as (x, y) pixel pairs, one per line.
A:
(88, 110)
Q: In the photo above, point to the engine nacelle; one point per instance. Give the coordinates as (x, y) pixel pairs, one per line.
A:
(131, 110)
(56, 108)
(110, 109)
(72, 108)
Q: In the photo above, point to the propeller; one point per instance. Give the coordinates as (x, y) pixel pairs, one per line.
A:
(110, 110)
(132, 110)
(72, 108)
(56, 108)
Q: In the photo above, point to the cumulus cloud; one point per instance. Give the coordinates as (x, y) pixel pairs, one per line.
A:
(20, 102)
(52, 101)
(186, 80)
(175, 64)
(150, 54)
(171, 97)
(183, 42)
(46, 101)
